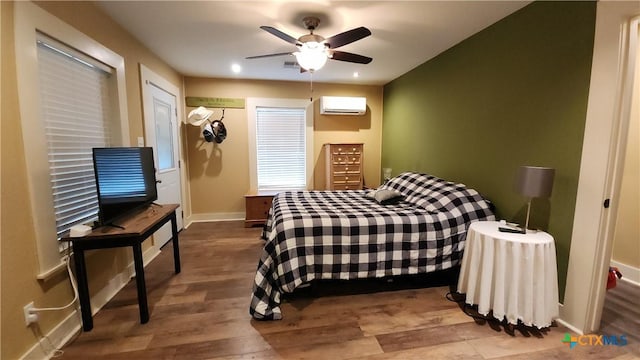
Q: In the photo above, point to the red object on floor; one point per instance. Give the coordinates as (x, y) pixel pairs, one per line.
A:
(611, 280)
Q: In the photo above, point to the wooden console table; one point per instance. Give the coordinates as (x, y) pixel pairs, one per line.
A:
(136, 228)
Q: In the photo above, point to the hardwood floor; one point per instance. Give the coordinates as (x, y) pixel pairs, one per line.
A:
(203, 313)
(621, 313)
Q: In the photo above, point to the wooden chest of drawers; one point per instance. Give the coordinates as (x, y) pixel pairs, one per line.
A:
(257, 207)
(344, 166)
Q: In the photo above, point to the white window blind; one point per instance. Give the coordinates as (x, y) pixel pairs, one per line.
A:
(75, 101)
(280, 146)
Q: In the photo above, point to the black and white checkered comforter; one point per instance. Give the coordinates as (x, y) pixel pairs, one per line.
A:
(347, 235)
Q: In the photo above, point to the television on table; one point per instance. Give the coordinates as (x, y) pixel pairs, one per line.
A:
(125, 181)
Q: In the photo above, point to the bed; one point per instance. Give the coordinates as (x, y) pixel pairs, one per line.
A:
(417, 226)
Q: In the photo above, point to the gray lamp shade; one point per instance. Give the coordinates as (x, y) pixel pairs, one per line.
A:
(535, 181)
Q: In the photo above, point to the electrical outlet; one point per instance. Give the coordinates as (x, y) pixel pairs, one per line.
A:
(30, 316)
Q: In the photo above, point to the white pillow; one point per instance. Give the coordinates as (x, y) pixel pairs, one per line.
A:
(384, 196)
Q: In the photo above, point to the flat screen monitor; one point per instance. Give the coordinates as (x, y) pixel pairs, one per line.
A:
(125, 181)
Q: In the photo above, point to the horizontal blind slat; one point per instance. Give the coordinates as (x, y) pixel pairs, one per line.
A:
(76, 109)
(280, 146)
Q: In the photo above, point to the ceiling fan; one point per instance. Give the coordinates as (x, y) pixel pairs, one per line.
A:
(314, 50)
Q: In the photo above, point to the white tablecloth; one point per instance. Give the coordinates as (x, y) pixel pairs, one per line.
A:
(514, 275)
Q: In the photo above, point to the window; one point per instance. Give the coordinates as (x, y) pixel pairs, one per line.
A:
(75, 105)
(281, 144)
(29, 22)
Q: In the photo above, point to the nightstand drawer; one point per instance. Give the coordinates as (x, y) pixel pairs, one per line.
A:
(257, 208)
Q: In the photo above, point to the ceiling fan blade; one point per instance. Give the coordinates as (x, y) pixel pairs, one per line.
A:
(347, 37)
(268, 55)
(280, 34)
(350, 57)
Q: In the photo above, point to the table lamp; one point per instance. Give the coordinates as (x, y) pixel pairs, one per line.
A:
(386, 174)
(534, 182)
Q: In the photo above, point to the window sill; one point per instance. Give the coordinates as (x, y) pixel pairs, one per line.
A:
(54, 271)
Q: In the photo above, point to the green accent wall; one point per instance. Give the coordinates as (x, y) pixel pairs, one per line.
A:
(513, 94)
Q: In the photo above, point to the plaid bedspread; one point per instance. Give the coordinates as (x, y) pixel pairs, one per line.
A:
(347, 235)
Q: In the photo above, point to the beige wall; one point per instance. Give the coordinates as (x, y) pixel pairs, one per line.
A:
(19, 264)
(90, 20)
(626, 243)
(218, 177)
(219, 173)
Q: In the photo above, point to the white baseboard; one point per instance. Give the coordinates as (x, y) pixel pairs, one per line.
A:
(629, 273)
(67, 329)
(567, 325)
(121, 279)
(59, 335)
(149, 255)
(208, 217)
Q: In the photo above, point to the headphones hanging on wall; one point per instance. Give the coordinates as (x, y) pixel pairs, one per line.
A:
(213, 131)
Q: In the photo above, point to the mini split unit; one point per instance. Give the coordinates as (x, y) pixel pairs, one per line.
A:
(342, 105)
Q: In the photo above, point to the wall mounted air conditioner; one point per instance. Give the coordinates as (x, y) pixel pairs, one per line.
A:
(343, 105)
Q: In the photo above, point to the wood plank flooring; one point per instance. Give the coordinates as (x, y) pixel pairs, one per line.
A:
(203, 313)
(621, 313)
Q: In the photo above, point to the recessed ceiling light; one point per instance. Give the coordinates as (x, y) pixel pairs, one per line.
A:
(356, 74)
(236, 68)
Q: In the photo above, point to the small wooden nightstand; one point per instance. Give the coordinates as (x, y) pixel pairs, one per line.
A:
(257, 205)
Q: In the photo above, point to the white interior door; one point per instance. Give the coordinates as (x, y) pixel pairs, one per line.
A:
(161, 133)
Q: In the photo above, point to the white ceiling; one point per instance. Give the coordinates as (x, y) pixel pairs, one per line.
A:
(204, 38)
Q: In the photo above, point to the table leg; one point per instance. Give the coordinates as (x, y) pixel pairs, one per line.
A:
(83, 289)
(140, 283)
(174, 240)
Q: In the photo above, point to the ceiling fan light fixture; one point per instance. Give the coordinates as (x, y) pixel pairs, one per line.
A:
(312, 55)
(314, 50)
